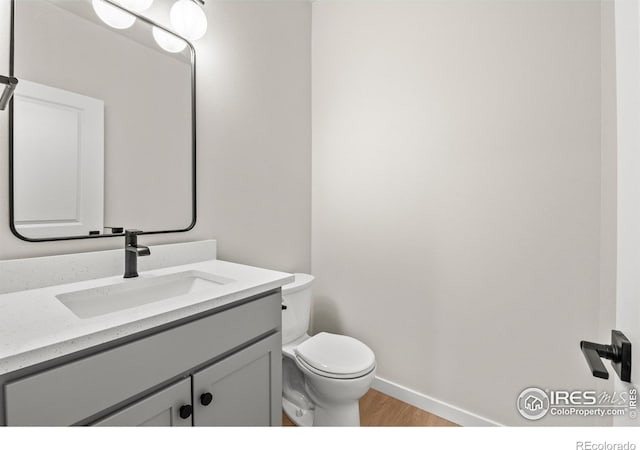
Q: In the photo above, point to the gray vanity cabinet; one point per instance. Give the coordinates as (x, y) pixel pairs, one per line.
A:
(233, 354)
(161, 409)
(239, 390)
(242, 389)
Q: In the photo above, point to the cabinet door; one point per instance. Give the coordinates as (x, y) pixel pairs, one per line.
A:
(244, 389)
(161, 409)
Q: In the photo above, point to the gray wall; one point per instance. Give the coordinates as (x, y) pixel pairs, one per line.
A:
(457, 193)
(253, 138)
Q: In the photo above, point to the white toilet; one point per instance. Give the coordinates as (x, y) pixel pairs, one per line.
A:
(323, 376)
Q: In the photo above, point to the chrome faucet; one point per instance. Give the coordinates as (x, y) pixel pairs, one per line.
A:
(131, 252)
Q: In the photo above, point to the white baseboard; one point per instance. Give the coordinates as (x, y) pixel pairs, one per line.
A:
(432, 405)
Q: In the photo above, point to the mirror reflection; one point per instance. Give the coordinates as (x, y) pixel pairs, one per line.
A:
(102, 122)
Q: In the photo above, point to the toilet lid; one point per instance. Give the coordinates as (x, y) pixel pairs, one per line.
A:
(336, 354)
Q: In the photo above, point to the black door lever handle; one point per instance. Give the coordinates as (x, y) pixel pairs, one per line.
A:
(619, 353)
(593, 353)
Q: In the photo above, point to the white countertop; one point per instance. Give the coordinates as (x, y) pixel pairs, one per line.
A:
(36, 327)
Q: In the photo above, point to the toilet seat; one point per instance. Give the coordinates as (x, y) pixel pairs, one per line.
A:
(335, 356)
(347, 376)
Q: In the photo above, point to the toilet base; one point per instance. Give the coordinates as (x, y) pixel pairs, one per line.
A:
(300, 416)
(341, 416)
(346, 415)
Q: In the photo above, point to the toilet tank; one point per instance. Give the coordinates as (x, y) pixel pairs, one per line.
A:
(296, 297)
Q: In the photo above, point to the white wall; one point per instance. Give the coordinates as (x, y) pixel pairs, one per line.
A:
(253, 137)
(456, 193)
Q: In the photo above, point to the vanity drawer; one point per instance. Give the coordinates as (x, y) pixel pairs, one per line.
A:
(75, 391)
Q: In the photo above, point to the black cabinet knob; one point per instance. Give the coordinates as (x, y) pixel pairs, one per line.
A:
(206, 399)
(185, 411)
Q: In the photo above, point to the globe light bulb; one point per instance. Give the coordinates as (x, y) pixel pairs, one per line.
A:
(112, 16)
(188, 19)
(168, 41)
(136, 5)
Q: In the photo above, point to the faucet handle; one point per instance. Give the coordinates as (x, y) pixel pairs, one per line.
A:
(132, 232)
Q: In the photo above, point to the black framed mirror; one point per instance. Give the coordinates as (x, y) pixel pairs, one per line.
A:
(102, 124)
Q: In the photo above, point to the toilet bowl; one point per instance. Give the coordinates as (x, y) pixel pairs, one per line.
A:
(324, 375)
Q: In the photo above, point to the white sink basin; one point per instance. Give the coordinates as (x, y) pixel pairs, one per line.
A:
(140, 291)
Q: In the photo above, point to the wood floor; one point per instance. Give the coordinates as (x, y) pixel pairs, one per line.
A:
(380, 410)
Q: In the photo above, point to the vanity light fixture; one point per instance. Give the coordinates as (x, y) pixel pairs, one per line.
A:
(10, 84)
(188, 19)
(116, 17)
(112, 15)
(137, 5)
(168, 41)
